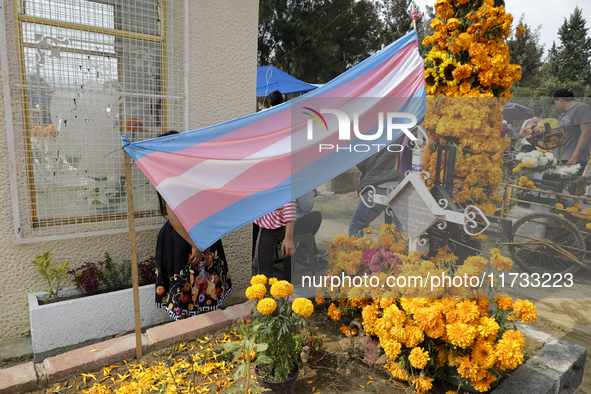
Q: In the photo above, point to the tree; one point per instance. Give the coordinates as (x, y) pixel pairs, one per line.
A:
(570, 61)
(397, 19)
(525, 50)
(317, 40)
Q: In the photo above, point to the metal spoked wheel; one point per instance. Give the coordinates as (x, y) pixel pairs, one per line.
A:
(544, 242)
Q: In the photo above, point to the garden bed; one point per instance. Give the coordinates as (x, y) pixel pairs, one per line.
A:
(340, 370)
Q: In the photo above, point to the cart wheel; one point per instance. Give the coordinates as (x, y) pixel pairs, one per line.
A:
(544, 242)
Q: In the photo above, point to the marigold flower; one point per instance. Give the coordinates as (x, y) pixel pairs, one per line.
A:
(281, 289)
(302, 306)
(422, 384)
(266, 306)
(272, 281)
(334, 312)
(461, 334)
(262, 279)
(419, 357)
(504, 301)
(525, 311)
(256, 292)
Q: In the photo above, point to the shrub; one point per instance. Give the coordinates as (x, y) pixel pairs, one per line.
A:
(115, 276)
(53, 275)
(87, 278)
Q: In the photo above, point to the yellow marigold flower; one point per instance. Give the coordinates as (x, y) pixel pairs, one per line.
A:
(523, 181)
(483, 353)
(520, 31)
(414, 336)
(266, 306)
(516, 169)
(369, 314)
(461, 334)
(509, 354)
(256, 292)
(391, 347)
(525, 311)
(422, 384)
(334, 312)
(281, 289)
(419, 357)
(272, 281)
(559, 206)
(302, 306)
(504, 301)
(262, 279)
(488, 326)
(484, 384)
(588, 226)
(529, 165)
(531, 185)
(397, 371)
(345, 331)
(502, 263)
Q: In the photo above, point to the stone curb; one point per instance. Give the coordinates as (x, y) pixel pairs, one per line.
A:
(556, 369)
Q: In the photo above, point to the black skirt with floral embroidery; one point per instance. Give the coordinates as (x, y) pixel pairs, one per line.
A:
(189, 289)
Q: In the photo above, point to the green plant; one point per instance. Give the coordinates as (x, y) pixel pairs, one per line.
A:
(53, 275)
(115, 276)
(247, 351)
(281, 321)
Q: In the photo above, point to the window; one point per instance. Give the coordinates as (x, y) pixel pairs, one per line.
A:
(87, 72)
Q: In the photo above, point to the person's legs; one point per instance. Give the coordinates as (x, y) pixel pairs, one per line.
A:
(309, 224)
(363, 215)
(268, 241)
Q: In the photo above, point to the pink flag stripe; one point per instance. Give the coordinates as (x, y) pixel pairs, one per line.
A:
(215, 174)
(268, 174)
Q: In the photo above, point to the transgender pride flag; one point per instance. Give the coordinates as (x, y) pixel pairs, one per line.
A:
(219, 178)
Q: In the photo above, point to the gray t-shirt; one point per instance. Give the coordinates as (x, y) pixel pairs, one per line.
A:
(572, 120)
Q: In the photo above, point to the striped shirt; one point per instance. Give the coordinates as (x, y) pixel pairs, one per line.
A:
(279, 217)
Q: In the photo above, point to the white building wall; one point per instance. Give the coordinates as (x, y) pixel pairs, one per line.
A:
(222, 82)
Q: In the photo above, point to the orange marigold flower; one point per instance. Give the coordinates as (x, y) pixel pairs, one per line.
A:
(418, 357)
(422, 384)
(525, 311)
(504, 301)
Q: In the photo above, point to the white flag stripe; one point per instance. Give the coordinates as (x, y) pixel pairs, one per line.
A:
(210, 174)
(279, 148)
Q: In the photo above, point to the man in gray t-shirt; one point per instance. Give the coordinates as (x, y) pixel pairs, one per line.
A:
(576, 119)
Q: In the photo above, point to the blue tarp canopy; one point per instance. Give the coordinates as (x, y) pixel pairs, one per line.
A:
(517, 111)
(270, 78)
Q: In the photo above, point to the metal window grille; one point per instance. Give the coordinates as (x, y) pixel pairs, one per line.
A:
(81, 73)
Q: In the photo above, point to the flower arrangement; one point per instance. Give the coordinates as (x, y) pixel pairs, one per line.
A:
(563, 173)
(425, 330)
(470, 59)
(529, 164)
(281, 322)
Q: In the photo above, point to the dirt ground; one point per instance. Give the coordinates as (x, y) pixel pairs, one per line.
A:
(342, 369)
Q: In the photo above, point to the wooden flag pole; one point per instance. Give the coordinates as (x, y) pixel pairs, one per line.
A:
(132, 247)
(414, 21)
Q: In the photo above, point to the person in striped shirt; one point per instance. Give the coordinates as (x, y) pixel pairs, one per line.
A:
(276, 226)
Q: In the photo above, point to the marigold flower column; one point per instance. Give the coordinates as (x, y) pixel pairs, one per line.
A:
(469, 62)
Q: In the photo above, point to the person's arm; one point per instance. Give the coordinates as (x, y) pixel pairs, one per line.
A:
(581, 144)
(306, 202)
(178, 227)
(287, 245)
(289, 214)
